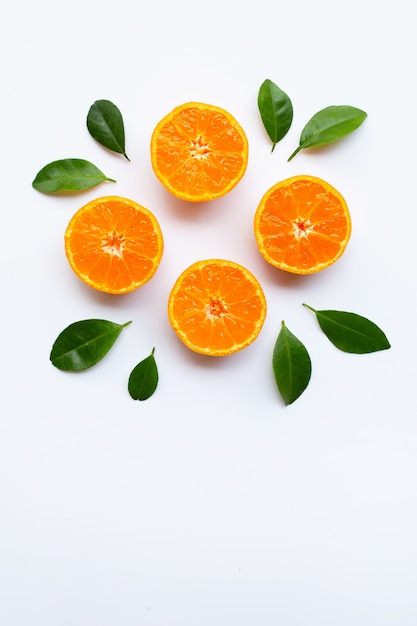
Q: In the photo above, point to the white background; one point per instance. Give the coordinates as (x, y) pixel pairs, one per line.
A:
(212, 502)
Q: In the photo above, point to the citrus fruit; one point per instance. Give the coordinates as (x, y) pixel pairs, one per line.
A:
(302, 225)
(199, 152)
(216, 307)
(114, 244)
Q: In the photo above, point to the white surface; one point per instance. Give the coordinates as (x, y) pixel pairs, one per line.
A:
(210, 503)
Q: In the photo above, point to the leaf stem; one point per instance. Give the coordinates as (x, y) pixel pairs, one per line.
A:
(309, 307)
(296, 151)
(111, 180)
(125, 155)
(126, 324)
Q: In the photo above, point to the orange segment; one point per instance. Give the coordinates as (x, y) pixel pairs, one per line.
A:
(199, 152)
(216, 307)
(113, 244)
(302, 225)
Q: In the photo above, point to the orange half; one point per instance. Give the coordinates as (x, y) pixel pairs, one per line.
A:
(302, 225)
(199, 152)
(216, 307)
(114, 244)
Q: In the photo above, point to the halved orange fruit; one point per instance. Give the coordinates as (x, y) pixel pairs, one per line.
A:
(302, 225)
(217, 307)
(199, 152)
(114, 244)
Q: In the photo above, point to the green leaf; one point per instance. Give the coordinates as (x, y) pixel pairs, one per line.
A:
(83, 344)
(68, 175)
(143, 379)
(351, 332)
(105, 124)
(328, 125)
(291, 364)
(276, 111)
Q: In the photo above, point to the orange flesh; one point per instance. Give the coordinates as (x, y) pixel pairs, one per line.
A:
(302, 225)
(114, 245)
(199, 152)
(217, 307)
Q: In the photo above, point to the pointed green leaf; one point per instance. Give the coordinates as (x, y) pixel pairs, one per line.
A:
(276, 111)
(83, 344)
(143, 379)
(328, 125)
(69, 175)
(105, 124)
(291, 364)
(351, 332)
